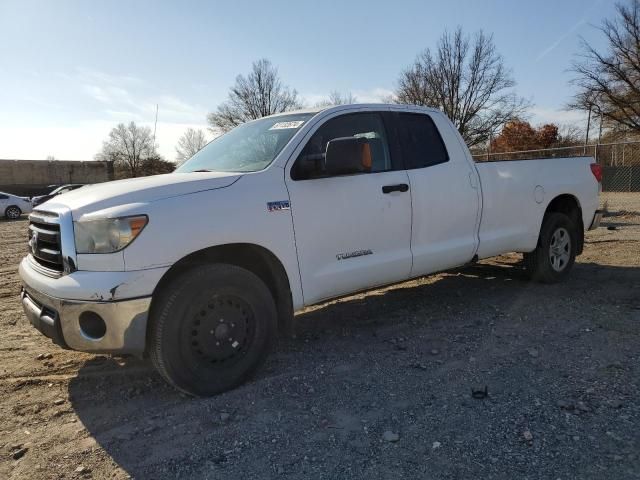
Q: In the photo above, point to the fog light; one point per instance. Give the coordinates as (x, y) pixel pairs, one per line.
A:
(92, 325)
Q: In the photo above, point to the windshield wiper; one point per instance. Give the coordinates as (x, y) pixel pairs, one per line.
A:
(202, 170)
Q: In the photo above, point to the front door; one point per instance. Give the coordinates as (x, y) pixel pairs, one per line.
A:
(353, 231)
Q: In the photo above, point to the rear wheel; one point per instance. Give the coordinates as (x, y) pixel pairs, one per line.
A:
(555, 254)
(211, 328)
(12, 212)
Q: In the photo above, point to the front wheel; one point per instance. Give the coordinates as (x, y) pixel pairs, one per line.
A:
(12, 212)
(555, 254)
(211, 328)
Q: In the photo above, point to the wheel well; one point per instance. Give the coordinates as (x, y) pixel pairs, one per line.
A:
(569, 205)
(254, 258)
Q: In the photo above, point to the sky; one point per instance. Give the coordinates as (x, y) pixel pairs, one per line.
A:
(71, 70)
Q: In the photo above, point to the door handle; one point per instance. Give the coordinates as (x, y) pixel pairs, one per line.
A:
(401, 187)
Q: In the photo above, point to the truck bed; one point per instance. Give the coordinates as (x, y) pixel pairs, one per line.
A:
(515, 194)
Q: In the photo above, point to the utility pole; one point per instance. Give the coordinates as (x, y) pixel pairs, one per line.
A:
(600, 127)
(586, 138)
(155, 125)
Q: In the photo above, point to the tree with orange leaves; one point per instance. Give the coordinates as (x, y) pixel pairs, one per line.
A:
(519, 135)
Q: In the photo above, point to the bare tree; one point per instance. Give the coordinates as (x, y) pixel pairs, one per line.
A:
(569, 135)
(257, 95)
(609, 81)
(127, 147)
(337, 98)
(465, 78)
(50, 158)
(190, 143)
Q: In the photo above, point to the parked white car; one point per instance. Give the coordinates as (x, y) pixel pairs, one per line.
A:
(198, 269)
(12, 206)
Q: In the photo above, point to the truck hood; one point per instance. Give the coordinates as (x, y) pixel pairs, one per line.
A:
(100, 196)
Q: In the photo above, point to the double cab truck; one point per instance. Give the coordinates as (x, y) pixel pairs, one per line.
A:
(200, 269)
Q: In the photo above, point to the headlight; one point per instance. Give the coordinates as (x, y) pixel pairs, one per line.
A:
(107, 235)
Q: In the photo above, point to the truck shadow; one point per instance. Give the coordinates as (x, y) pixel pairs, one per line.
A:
(150, 430)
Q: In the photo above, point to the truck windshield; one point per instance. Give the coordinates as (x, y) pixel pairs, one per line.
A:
(249, 147)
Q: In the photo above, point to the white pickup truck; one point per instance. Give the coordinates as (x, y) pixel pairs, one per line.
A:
(200, 268)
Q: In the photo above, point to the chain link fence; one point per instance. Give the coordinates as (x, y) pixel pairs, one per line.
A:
(620, 170)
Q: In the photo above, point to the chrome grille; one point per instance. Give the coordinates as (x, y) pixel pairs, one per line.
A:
(44, 242)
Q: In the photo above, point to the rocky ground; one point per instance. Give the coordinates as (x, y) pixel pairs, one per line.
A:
(385, 385)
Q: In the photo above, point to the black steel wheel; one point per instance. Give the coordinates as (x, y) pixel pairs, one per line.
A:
(222, 332)
(210, 328)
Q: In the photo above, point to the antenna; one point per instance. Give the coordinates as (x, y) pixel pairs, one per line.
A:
(155, 125)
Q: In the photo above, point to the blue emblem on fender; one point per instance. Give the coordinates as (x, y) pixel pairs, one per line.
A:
(277, 206)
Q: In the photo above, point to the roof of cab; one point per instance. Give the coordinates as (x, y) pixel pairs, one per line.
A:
(316, 110)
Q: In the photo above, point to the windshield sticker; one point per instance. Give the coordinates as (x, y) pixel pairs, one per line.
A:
(285, 125)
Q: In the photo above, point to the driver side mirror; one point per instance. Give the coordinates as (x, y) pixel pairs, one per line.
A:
(347, 155)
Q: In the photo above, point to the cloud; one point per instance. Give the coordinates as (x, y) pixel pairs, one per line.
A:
(560, 39)
(43, 104)
(88, 75)
(108, 94)
(373, 95)
(82, 141)
(119, 95)
(541, 115)
(311, 99)
(167, 135)
(571, 31)
(112, 99)
(124, 116)
(176, 104)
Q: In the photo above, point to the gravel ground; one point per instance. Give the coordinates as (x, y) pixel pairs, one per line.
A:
(621, 202)
(374, 386)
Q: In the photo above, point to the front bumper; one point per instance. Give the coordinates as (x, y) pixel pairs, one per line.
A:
(67, 309)
(63, 321)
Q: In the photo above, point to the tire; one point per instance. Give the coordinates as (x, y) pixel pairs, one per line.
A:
(555, 254)
(12, 212)
(211, 328)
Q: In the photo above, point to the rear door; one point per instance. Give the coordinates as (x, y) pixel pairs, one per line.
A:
(444, 193)
(352, 231)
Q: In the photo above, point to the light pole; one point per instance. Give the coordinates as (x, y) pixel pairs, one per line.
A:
(586, 137)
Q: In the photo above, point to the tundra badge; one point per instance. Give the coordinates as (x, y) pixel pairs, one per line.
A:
(279, 205)
(357, 253)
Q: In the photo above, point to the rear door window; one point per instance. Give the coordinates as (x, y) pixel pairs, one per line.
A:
(420, 141)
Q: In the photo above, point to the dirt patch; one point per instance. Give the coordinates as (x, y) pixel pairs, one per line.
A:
(375, 386)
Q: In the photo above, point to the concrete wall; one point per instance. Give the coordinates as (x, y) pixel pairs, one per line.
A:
(32, 177)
